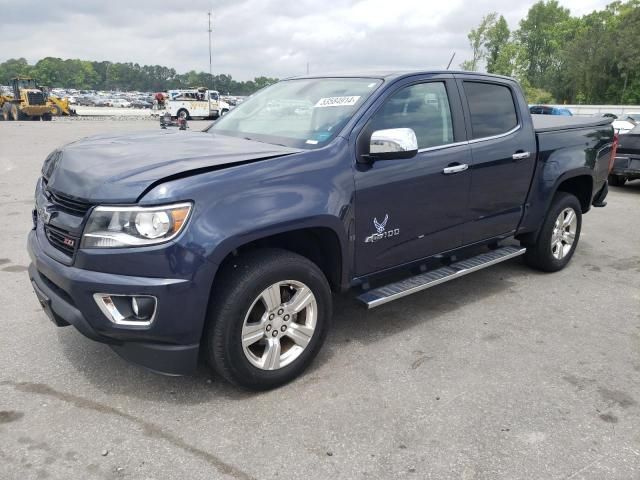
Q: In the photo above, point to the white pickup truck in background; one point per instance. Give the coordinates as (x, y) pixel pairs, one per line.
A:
(196, 103)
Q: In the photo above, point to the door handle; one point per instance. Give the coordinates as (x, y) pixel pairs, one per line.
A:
(520, 155)
(455, 169)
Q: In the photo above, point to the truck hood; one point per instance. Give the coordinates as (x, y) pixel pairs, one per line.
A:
(119, 168)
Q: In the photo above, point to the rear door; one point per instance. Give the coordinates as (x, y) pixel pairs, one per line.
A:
(503, 148)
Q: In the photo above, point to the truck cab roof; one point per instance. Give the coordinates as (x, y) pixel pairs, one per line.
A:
(396, 74)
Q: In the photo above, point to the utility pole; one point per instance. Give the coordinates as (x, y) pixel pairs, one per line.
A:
(213, 83)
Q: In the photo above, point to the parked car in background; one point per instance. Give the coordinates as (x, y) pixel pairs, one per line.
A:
(633, 116)
(622, 127)
(547, 110)
(86, 101)
(140, 104)
(626, 165)
(120, 103)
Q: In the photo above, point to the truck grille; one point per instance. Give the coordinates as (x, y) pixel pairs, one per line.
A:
(68, 204)
(62, 240)
(35, 98)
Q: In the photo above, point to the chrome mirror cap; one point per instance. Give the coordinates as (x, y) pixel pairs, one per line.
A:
(393, 143)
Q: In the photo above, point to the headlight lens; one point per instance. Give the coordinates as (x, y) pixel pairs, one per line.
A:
(116, 227)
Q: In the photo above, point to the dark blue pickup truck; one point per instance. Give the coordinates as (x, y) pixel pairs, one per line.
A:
(227, 244)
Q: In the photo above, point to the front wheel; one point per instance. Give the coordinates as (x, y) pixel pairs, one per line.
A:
(268, 319)
(559, 235)
(182, 113)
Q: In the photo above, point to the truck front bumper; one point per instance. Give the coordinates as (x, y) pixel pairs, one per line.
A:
(168, 345)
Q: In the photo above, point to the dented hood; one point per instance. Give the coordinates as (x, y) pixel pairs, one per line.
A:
(119, 168)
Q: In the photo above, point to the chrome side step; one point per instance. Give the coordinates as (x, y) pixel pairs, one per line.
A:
(393, 291)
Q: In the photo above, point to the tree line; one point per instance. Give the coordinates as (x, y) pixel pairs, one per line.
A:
(559, 58)
(88, 75)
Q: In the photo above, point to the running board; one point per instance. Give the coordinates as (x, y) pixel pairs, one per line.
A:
(393, 291)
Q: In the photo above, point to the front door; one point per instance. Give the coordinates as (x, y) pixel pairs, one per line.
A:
(407, 209)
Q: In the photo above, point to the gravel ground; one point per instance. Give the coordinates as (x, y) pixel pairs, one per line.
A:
(506, 373)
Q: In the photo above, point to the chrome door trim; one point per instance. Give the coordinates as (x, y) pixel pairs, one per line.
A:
(469, 142)
(440, 147)
(493, 137)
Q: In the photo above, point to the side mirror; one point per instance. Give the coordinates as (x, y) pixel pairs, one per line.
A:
(393, 143)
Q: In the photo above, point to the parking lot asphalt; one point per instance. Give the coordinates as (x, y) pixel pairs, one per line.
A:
(507, 373)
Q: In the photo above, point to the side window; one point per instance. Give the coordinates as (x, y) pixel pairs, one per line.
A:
(492, 109)
(424, 108)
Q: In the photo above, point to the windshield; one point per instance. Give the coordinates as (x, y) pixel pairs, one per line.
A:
(26, 83)
(303, 113)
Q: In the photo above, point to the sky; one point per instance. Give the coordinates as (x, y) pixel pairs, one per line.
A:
(276, 38)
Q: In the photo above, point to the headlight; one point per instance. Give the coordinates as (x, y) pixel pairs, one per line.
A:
(113, 227)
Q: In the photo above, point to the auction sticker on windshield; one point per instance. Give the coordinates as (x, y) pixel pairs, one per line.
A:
(337, 101)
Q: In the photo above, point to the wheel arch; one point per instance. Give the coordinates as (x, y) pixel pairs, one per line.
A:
(579, 185)
(578, 182)
(320, 244)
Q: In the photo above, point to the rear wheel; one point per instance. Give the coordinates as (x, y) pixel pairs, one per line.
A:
(559, 235)
(268, 319)
(617, 180)
(183, 113)
(46, 117)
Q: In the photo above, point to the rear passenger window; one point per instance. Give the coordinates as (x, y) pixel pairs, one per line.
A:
(492, 109)
(424, 108)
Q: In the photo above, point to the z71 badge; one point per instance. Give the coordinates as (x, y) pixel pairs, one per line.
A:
(381, 229)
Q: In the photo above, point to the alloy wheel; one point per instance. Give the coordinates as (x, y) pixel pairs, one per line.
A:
(564, 233)
(279, 325)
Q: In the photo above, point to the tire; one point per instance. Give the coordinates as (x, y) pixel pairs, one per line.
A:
(224, 112)
(556, 244)
(617, 180)
(183, 113)
(15, 113)
(46, 117)
(240, 307)
(56, 110)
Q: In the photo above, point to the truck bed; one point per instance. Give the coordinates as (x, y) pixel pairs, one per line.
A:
(552, 123)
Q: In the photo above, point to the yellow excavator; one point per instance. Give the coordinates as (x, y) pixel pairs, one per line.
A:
(31, 102)
(60, 106)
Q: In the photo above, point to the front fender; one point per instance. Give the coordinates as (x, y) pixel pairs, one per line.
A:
(243, 203)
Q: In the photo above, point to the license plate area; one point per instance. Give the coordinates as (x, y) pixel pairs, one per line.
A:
(45, 303)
